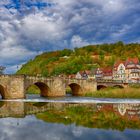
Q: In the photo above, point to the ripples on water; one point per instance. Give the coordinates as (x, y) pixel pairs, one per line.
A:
(69, 118)
(72, 99)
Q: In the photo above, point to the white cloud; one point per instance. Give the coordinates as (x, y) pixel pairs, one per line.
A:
(69, 23)
(42, 27)
(30, 127)
(77, 41)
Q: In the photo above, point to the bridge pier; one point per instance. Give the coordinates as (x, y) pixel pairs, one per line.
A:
(89, 86)
(80, 87)
(12, 87)
(56, 88)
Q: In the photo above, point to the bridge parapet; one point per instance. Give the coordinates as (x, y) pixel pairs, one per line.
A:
(35, 78)
(11, 75)
(111, 83)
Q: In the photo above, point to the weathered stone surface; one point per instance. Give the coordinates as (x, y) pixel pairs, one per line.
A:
(15, 86)
(12, 87)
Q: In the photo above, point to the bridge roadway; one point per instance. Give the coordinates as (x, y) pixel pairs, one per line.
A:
(15, 86)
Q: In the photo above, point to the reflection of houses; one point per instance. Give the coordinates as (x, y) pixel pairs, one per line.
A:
(128, 110)
(127, 71)
(131, 111)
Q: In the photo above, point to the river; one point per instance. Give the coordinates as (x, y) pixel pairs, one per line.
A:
(69, 118)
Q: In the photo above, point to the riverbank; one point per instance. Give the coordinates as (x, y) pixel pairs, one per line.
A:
(130, 92)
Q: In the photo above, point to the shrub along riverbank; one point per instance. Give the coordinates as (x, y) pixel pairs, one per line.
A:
(130, 92)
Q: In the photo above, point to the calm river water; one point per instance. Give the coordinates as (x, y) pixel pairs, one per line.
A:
(70, 118)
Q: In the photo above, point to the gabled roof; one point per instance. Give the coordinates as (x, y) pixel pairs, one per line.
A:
(132, 63)
(118, 63)
(88, 72)
(132, 60)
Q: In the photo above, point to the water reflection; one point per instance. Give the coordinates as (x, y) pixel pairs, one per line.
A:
(58, 121)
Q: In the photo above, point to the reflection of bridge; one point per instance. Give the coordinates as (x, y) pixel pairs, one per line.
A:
(21, 109)
(111, 83)
(15, 86)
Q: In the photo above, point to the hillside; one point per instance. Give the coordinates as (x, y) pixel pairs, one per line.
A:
(86, 58)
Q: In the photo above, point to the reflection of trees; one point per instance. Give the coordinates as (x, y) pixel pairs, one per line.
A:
(106, 117)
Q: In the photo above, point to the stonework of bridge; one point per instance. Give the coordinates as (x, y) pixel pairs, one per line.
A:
(101, 84)
(15, 86)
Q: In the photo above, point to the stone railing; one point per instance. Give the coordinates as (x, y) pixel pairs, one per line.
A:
(109, 81)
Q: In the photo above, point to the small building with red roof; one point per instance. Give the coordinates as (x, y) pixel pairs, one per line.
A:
(107, 73)
(104, 73)
(86, 74)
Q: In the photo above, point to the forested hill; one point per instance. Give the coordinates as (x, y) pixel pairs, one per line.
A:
(86, 58)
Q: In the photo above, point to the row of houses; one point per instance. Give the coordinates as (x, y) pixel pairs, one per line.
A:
(127, 71)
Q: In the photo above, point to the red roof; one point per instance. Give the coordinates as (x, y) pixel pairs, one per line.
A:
(88, 72)
(133, 60)
(107, 71)
(71, 76)
(118, 63)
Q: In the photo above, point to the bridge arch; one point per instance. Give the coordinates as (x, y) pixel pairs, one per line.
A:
(2, 91)
(44, 89)
(75, 88)
(118, 86)
(99, 87)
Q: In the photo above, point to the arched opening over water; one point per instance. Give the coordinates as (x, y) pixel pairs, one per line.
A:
(2, 92)
(118, 86)
(100, 87)
(73, 89)
(39, 88)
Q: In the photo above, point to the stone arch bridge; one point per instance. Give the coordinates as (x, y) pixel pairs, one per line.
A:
(15, 86)
(101, 84)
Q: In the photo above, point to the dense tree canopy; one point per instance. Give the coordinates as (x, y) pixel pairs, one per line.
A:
(71, 61)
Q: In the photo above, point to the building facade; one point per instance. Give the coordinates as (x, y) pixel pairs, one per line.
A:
(127, 71)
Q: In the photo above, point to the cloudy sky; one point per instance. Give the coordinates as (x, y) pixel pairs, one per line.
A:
(30, 27)
(29, 128)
